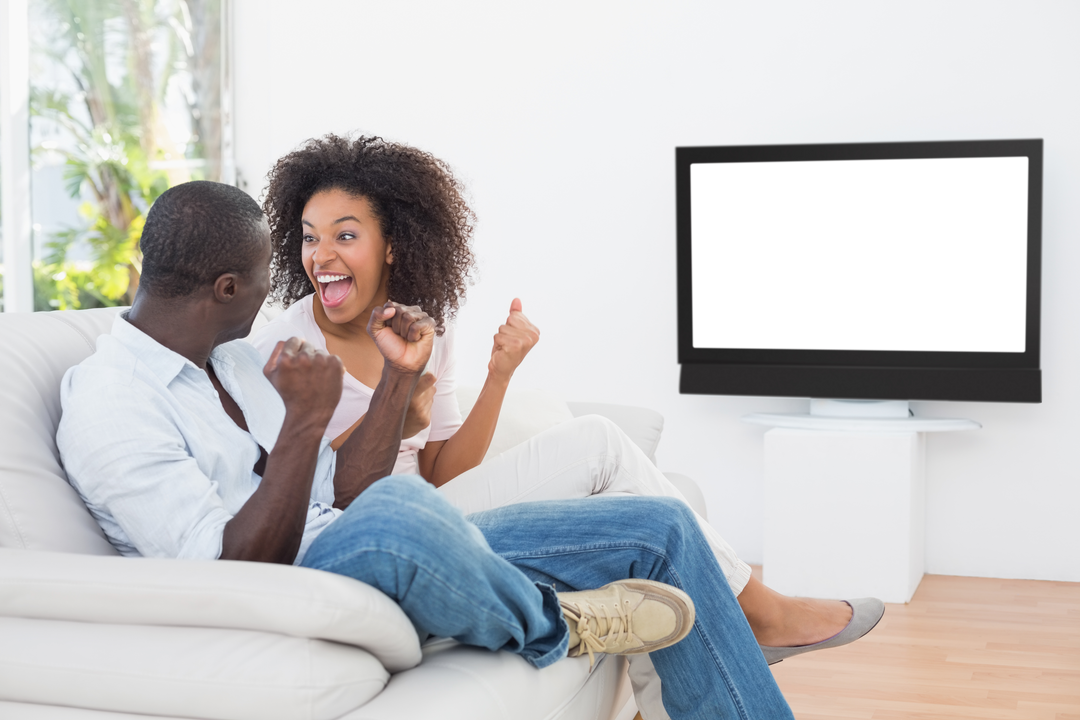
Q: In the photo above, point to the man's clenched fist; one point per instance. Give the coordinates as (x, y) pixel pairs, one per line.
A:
(404, 335)
(308, 379)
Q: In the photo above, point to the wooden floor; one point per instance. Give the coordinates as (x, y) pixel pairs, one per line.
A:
(963, 648)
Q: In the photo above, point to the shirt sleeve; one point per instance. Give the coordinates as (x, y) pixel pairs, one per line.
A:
(135, 471)
(445, 411)
(321, 510)
(319, 517)
(322, 485)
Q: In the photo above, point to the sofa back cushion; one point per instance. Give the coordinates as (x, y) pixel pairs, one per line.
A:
(38, 509)
(524, 413)
(642, 425)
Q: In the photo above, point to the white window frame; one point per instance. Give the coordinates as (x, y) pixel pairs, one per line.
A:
(15, 155)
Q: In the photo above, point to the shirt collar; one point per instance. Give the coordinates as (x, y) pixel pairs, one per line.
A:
(163, 362)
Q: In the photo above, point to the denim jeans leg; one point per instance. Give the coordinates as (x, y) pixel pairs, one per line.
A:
(402, 537)
(718, 670)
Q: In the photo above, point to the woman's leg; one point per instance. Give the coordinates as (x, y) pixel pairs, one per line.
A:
(579, 458)
(717, 671)
(590, 456)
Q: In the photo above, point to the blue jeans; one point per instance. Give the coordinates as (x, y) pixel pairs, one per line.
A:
(490, 580)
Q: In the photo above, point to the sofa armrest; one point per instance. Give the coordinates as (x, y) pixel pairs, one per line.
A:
(642, 425)
(691, 491)
(280, 599)
(187, 672)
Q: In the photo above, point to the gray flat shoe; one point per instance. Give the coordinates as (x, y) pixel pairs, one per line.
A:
(865, 614)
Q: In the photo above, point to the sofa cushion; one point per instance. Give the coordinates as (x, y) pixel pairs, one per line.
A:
(190, 672)
(457, 682)
(38, 509)
(280, 599)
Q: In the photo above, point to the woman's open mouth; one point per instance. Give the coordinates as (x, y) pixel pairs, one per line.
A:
(333, 288)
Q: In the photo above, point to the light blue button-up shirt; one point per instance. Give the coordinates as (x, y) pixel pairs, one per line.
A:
(148, 446)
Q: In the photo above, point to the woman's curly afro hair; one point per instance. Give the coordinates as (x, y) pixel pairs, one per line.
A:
(415, 198)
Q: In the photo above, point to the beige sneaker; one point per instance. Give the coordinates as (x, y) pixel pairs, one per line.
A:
(627, 617)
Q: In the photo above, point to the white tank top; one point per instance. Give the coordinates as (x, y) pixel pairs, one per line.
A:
(299, 321)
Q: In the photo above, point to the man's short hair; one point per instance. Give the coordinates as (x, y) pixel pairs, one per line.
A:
(195, 232)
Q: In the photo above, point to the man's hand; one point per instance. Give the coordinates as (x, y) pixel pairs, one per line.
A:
(308, 379)
(513, 342)
(418, 416)
(404, 335)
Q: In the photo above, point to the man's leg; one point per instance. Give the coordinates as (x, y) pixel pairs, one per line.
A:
(590, 456)
(718, 670)
(401, 537)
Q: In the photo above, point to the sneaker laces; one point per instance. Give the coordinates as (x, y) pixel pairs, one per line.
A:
(596, 627)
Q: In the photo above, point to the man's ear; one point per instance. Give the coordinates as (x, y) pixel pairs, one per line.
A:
(225, 287)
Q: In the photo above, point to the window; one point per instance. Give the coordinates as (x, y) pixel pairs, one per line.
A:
(125, 100)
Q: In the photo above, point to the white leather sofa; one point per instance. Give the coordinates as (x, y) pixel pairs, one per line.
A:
(88, 635)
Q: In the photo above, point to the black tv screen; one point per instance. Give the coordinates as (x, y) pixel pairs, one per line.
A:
(889, 271)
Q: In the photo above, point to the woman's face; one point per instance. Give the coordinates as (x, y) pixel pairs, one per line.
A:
(345, 255)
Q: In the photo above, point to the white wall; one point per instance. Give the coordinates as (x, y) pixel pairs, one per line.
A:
(562, 118)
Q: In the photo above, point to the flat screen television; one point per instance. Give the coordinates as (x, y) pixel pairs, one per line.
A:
(878, 271)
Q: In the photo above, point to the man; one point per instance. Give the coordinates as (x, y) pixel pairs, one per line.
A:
(171, 433)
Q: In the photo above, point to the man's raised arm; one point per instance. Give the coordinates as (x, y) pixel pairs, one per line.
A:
(270, 525)
(404, 336)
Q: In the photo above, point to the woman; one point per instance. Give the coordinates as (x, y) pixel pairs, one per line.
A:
(331, 207)
(357, 222)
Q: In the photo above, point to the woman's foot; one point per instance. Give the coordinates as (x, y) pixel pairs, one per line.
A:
(781, 621)
(805, 621)
(866, 613)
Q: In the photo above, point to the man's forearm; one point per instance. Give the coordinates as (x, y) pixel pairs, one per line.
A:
(371, 451)
(270, 525)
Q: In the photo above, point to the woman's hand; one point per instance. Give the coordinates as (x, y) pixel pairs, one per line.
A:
(516, 337)
(418, 416)
(443, 460)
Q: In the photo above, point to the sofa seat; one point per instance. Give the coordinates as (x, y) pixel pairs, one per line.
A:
(452, 683)
(86, 634)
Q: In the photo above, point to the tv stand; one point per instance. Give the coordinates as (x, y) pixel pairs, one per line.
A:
(845, 498)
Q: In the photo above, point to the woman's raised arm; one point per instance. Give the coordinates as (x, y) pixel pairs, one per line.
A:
(442, 461)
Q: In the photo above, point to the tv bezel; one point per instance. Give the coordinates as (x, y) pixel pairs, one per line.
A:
(861, 374)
